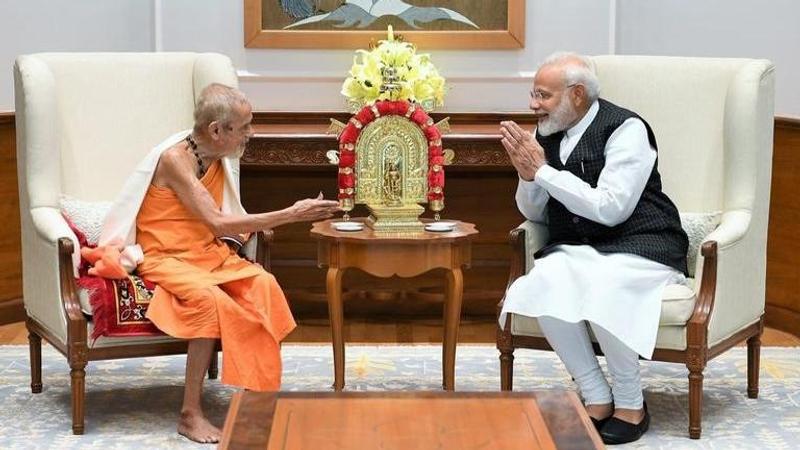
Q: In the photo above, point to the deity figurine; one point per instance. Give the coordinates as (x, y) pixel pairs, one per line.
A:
(392, 177)
(392, 184)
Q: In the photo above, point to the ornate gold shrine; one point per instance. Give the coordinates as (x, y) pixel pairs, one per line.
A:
(386, 147)
(391, 172)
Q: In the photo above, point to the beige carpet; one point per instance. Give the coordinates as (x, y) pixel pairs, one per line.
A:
(133, 403)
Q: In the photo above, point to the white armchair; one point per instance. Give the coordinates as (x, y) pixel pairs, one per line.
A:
(713, 120)
(83, 123)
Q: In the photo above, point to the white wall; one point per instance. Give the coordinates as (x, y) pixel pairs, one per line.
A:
(727, 28)
(28, 26)
(479, 80)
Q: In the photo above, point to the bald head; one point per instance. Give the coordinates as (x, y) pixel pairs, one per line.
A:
(217, 103)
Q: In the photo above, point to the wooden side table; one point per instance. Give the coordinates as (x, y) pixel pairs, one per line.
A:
(403, 256)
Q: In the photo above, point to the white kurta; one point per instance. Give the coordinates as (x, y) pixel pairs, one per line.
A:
(621, 292)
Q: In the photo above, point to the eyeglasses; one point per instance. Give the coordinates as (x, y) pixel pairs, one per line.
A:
(542, 96)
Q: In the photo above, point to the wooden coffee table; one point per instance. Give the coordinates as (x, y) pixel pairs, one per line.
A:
(408, 420)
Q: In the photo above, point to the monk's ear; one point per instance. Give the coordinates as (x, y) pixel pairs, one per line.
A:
(214, 130)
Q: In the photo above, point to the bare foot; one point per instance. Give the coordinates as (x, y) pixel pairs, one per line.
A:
(196, 427)
(629, 415)
(600, 412)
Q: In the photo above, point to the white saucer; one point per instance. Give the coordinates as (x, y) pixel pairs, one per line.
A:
(440, 226)
(348, 226)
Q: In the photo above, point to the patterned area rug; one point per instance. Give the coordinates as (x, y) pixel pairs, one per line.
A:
(134, 403)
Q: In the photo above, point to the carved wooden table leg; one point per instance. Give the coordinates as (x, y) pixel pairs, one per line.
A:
(336, 312)
(452, 319)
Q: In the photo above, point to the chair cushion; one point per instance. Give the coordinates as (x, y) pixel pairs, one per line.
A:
(105, 341)
(118, 307)
(113, 332)
(677, 305)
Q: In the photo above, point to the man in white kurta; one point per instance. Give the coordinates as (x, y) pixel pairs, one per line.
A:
(590, 173)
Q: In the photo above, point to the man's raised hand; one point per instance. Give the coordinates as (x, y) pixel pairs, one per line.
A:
(526, 155)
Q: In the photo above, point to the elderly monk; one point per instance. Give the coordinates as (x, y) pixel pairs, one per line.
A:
(179, 202)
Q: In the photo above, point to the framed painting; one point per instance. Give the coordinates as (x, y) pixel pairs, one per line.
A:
(447, 24)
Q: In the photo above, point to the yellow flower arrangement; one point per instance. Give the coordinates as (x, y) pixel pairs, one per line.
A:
(393, 70)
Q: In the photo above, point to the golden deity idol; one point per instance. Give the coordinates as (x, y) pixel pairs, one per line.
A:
(391, 168)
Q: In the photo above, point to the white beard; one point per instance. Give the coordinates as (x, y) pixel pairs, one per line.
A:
(558, 119)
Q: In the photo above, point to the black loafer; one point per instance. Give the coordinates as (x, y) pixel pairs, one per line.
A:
(617, 431)
(599, 423)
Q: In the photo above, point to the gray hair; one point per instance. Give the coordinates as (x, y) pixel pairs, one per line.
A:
(578, 69)
(216, 103)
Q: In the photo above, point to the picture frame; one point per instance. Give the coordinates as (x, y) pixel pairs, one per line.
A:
(476, 24)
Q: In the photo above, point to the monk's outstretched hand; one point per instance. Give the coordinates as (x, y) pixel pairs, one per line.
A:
(313, 209)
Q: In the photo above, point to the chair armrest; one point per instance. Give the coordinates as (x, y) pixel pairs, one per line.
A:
(76, 322)
(516, 238)
(257, 248)
(263, 252)
(49, 253)
(50, 226)
(732, 229)
(706, 293)
(536, 236)
(525, 240)
(731, 277)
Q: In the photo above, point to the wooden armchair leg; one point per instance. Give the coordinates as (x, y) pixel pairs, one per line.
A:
(213, 367)
(35, 346)
(505, 343)
(695, 401)
(78, 381)
(506, 369)
(753, 365)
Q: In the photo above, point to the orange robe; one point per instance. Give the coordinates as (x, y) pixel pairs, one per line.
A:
(204, 290)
